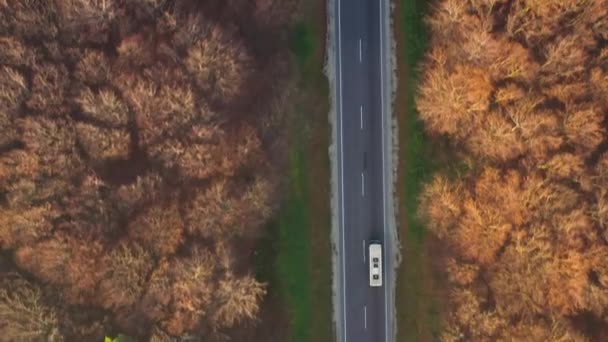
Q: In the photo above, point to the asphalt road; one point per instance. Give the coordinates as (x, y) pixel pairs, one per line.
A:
(360, 72)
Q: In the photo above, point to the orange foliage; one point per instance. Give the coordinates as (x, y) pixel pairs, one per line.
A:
(130, 180)
(183, 285)
(451, 102)
(160, 110)
(219, 63)
(521, 86)
(23, 226)
(93, 68)
(225, 209)
(103, 143)
(158, 229)
(222, 154)
(64, 262)
(48, 89)
(104, 106)
(123, 282)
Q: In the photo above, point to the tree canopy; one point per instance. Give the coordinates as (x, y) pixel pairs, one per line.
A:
(134, 167)
(519, 89)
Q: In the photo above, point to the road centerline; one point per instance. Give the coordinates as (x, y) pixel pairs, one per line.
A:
(362, 184)
(364, 260)
(360, 51)
(361, 115)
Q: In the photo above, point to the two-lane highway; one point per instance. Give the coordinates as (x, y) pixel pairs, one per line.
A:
(364, 313)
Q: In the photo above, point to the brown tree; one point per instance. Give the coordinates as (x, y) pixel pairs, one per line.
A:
(159, 229)
(123, 282)
(219, 63)
(221, 154)
(48, 89)
(65, 262)
(104, 106)
(94, 68)
(22, 226)
(237, 300)
(13, 89)
(519, 88)
(13, 52)
(227, 209)
(23, 314)
(160, 111)
(132, 187)
(103, 143)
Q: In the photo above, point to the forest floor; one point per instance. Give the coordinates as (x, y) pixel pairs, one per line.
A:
(418, 290)
(295, 256)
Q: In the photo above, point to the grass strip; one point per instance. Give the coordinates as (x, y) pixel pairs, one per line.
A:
(418, 314)
(295, 256)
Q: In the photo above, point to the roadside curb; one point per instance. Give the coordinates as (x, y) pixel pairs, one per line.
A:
(330, 73)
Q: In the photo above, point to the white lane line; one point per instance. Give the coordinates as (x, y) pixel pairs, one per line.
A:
(365, 317)
(364, 251)
(360, 51)
(361, 115)
(362, 184)
(386, 241)
(342, 173)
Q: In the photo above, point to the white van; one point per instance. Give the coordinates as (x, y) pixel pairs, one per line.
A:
(375, 264)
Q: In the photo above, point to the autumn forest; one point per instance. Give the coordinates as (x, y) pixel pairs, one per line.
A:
(519, 90)
(139, 152)
(142, 156)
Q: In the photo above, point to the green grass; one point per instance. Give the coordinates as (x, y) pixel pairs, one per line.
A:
(417, 306)
(293, 261)
(415, 148)
(303, 43)
(414, 33)
(295, 255)
(285, 252)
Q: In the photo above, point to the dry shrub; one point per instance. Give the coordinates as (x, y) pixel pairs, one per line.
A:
(13, 87)
(130, 197)
(23, 314)
(92, 12)
(104, 106)
(90, 214)
(183, 289)
(160, 110)
(221, 154)
(53, 144)
(183, 285)
(29, 19)
(135, 51)
(584, 128)
(219, 64)
(461, 273)
(123, 283)
(13, 52)
(94, 68)
(24, 226)
(48, 89)
(66, 263)
(441, 204)
(565, 165)
(159, 229)
(227, 209)
(238, 299)
(103, 143)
